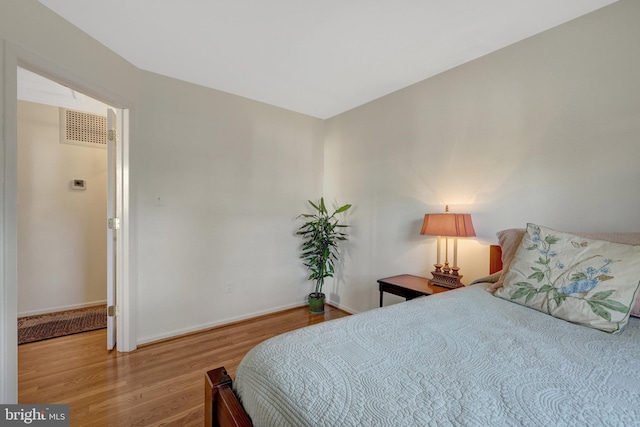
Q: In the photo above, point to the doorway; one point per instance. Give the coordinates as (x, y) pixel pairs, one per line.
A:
(14, 56)
(62, 209)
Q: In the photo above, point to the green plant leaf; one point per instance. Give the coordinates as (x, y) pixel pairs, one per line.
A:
(545, 288)
(599, 310)
(522, 292)
(543, 261)
(611, 305)
(323, 209)
(551, 239)
(523, 285)
(538, 275)
(601, 295)
(532, 293)
(342, 209)
(315, 206)
(558, 299)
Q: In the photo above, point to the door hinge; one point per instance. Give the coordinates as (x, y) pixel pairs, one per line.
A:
(112, 311)
(112, 135)
(113, 223)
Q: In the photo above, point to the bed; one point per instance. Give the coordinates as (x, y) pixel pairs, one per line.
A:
(464, 357)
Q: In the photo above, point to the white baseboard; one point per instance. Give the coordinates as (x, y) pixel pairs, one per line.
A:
(343, 307)
(205, 326)
(61, 308)
(229, 320)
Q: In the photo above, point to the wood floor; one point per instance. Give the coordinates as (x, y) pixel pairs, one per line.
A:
(160, 384)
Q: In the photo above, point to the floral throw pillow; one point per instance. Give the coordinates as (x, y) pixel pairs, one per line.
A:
(585, 281)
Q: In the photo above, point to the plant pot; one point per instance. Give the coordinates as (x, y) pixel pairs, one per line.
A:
(316, 303)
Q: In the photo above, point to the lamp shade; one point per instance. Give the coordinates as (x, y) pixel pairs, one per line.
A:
(448, 224)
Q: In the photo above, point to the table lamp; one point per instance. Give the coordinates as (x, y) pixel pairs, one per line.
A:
(448, 225)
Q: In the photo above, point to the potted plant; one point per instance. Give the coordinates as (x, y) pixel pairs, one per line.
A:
(320, 234)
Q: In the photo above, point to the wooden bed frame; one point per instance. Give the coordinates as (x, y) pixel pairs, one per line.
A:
(222, 407)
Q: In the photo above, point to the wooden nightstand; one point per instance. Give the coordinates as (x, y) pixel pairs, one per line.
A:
(408, 286)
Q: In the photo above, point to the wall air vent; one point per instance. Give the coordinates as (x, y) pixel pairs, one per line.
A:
(86, 129)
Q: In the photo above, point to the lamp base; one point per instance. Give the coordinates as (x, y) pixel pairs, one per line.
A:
(446, 280)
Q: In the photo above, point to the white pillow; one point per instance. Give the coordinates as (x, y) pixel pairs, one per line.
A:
(585, 281)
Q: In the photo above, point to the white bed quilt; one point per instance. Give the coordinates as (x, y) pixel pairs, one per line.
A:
(459, 358)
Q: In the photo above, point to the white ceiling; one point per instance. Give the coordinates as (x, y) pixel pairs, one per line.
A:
(319, 58)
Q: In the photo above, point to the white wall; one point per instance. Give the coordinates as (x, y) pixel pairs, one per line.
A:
(61, 231)
(233, 174)
(545, 131)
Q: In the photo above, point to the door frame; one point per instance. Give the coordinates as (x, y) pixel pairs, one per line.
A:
(118, 207)
(14, 56)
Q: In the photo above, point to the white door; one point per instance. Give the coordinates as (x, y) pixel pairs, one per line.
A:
(112, 225)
